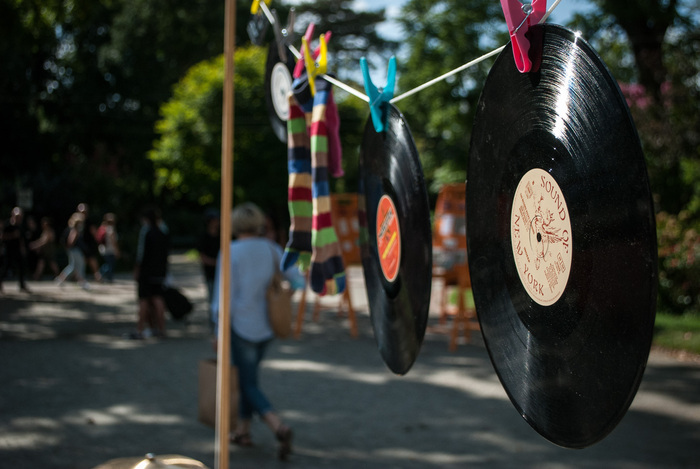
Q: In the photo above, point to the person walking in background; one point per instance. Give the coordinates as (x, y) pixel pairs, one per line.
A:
(150, 272)
(15, 249)
(31, 233)
(208, 246)
(89, 244)
(73, 242)
(108, 245)
(253, 260)
(2, 248)
(45, 247)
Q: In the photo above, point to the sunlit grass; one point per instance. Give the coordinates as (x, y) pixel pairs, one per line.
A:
(678, 332)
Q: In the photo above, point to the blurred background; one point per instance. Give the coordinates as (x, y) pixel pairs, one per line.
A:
(117, 104)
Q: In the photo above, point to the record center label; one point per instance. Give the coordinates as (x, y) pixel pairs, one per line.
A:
(540, 235)
(388, 238)
(280, 86)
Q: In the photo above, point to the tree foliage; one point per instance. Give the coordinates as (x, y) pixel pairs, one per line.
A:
(645, 23)
(652, 49)
(441, 36)
(658, 43)
(28, 43)
(354, 32)
(187, 156)
(86, 80)
(83, 83)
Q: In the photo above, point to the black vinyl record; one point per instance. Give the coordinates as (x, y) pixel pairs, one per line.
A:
(397, 245)
(278, 85)
(561, 239)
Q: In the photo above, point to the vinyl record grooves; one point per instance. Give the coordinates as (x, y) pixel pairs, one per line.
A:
(278, 84)
(561, 240)
(396, 253)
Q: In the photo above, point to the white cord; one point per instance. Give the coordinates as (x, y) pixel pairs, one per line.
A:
(415, 90)
(267, 12)
(448, 74)
(332, 80)
(345, 87)
(465, 66)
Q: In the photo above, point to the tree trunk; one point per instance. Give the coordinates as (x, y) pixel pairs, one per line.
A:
(646, 23)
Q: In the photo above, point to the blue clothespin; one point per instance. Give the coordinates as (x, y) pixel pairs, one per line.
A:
(378, 97)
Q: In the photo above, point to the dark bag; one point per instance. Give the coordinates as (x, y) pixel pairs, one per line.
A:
(177, 303)
(279, 303)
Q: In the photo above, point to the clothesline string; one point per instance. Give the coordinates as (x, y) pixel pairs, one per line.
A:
(419, 88)
(446, 75)
(332, 80)
(465, 66)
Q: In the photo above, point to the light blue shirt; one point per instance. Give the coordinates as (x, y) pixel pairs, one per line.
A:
(253, 262)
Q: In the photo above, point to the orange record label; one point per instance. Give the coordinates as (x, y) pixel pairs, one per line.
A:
(388, 238)
(540, 229)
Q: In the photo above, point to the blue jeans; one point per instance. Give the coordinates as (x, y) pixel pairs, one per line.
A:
(107, 269)
(76, 264)
(247, 356)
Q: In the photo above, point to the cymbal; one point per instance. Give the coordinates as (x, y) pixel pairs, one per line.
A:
(151, 461)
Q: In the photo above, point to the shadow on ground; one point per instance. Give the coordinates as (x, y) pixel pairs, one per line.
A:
(76, 393)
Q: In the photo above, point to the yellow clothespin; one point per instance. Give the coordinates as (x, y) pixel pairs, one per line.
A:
(256, 4)
(313, 69)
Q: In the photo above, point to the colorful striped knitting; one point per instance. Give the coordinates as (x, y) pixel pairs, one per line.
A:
(298, 249)
(327, 274)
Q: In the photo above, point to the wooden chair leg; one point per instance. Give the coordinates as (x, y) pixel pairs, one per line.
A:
(443, 305)
(317, 309)
(463, 306)
(454, 332)
(460, 321)
(341, 304)
(467, 329)
(300, 314)
(351, 314)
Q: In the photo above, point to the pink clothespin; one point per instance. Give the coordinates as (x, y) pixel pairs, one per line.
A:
(301, 64)
(520, 15)
(308, 35)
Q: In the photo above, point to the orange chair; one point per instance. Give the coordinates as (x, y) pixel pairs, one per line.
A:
(450, 261)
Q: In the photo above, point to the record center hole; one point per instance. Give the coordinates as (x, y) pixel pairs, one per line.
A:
(539, 237)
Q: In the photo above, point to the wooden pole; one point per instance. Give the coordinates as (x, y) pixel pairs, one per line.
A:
(223, 371)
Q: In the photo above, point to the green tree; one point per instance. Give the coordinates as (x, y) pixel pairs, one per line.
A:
(640, 42)
(645, 24)
(652, 48)
(672, 146)
(28, 44)
(441, 36)
(83, 86)
(187, 155)
(354, 32)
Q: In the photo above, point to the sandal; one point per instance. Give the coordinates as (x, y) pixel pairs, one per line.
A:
(284, 436)
(242, 439)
